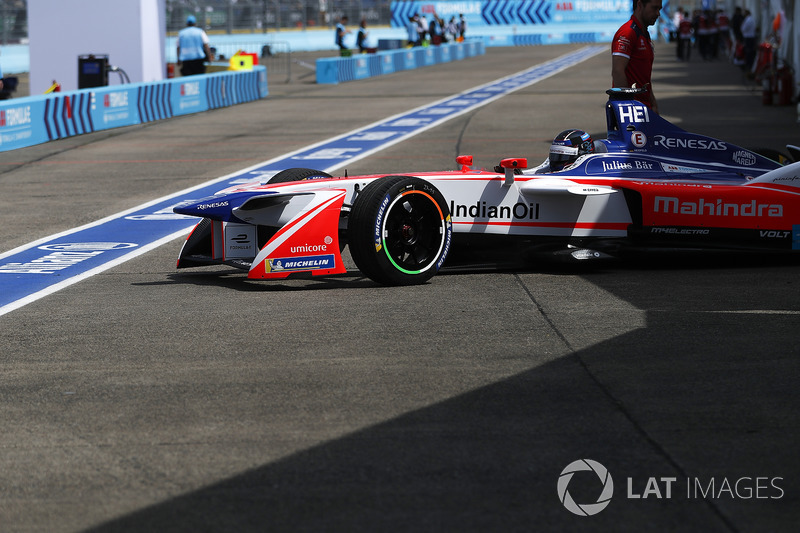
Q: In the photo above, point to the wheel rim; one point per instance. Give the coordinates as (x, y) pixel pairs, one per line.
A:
(413, 230)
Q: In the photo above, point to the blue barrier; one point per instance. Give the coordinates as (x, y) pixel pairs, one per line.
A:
(340, 69)
(39, 119)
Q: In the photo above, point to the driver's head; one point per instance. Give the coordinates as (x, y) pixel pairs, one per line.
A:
(568, 146)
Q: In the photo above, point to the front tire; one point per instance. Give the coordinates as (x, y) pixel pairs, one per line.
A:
(298, 174)
(399, 231)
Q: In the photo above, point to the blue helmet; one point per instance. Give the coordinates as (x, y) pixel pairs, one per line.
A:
(568, 146)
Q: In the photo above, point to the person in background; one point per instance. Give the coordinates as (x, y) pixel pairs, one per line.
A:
(193, 49)
(452, 28)
(422, 28)
(685, 30)
(361, 36)
(341, 31)
(749, 37)
(632, 52)
(413, 31)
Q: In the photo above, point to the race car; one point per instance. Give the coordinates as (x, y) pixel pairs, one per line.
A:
(649, 185)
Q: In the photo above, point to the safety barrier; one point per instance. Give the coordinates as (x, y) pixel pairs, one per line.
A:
(39, 119)
(341, 69)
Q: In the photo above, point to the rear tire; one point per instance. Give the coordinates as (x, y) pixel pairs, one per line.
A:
(399, 230)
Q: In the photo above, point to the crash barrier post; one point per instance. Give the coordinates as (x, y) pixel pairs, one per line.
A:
(341, 69)
(275, 55)
(38, 119)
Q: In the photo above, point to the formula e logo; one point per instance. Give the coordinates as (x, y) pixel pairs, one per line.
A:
(744, 158)
(115, 99)
(693, 144)
(190, 89)
(16, 116)
(586, 509)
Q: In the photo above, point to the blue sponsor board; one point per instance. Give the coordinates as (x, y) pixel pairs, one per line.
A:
(37, 269)
(38, 119)
(341, 69)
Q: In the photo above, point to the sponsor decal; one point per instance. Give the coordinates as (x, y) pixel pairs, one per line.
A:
(309, 248)
(638, 139)
(680, 169)
(378, 231)
(680, 231)
(671, 204)
(62, 256)
(448, 224)
(774, 234)
(673, 184)
(518, 211)
(634, 113)
(744, 158)
(691, 143)
(635, 164)
(295, 264)
(212, 205)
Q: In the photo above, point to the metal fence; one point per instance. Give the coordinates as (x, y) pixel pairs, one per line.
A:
(276, 56)
(253, 16)
(13, 21)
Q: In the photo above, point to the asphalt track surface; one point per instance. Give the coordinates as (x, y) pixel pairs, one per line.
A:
(147, 399)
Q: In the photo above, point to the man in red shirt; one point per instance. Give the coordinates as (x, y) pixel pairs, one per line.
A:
(632, 52)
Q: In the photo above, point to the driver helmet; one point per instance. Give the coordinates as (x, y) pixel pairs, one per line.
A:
(568, 146)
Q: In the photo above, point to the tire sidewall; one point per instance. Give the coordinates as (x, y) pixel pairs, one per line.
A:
(373, 209)
(298, 174)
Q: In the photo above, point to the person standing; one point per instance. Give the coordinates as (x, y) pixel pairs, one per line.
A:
(749, 33)
(341, 31)
(632, 52)
(361, 36)
(413, 31)
(685, 37)
(193, 49)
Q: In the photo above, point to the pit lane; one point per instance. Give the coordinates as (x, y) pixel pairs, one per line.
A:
(145, 398)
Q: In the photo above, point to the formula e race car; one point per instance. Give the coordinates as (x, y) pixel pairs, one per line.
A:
(648, 185)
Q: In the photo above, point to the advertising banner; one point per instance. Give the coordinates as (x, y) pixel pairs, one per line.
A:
(38, 119)
(520, 13)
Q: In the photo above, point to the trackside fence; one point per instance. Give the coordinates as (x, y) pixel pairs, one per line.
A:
(275, 55)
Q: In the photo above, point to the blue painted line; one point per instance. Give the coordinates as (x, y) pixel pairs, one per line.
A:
(32, 271)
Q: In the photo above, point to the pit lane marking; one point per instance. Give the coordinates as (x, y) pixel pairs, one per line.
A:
(34, 270)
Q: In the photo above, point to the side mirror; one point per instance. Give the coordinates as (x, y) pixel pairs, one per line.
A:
(509, 165)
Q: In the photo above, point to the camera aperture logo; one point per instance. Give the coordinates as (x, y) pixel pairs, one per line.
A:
(585, 509)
